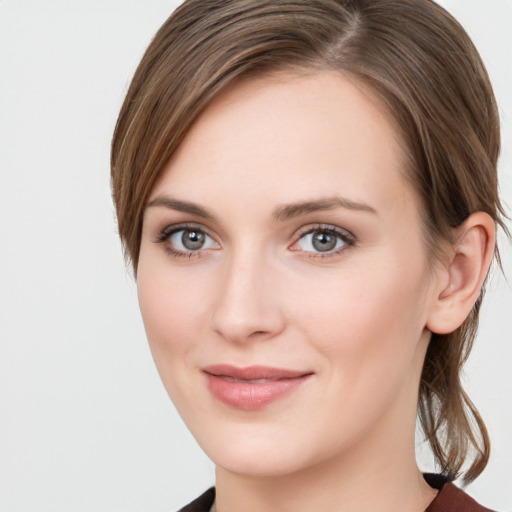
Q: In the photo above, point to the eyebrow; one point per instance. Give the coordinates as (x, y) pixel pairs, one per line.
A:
(288, 211)
(280, 214)
(180, 206)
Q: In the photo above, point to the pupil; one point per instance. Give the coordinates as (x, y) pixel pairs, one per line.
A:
(324, 241)
(192, 240)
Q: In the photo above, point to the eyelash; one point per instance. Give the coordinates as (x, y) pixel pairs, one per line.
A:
(169, 231)
(347, 238)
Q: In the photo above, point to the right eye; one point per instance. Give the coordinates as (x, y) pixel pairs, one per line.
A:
(186, 241)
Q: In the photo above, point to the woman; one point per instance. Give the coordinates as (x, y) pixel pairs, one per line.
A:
(307, 191)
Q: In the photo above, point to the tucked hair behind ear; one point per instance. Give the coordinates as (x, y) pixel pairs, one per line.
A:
(428, 74)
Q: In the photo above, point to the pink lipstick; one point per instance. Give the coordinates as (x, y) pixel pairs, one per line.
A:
(252, 387)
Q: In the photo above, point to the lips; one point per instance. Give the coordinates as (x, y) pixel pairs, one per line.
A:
(252, 387)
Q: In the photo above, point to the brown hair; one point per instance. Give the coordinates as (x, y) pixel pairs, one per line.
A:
(418, 60)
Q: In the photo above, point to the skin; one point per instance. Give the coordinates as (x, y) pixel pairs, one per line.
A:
(259, 293)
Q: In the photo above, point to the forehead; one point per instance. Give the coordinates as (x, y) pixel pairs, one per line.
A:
(288, 135)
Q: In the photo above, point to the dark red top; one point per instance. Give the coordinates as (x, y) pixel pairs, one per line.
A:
(449, 499)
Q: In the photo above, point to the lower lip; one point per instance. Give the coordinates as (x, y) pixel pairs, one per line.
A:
(251, 396)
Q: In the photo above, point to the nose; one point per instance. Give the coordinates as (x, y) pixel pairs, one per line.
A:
(248, 303)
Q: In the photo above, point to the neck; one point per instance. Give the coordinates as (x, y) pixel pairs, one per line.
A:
(346, 486)
(327, 486)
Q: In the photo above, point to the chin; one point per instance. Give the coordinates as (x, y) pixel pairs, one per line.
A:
(257, 463)
(259, 451)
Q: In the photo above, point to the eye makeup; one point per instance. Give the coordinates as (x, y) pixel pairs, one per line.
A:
(194, 240)
(323, 241)
(191, 240)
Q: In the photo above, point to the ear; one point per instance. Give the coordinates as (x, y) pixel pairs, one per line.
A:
(463, 275)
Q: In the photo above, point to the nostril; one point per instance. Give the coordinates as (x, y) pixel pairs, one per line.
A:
(257, 332)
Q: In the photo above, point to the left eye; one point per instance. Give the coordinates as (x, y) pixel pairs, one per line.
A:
(322, 241)
(190, 240)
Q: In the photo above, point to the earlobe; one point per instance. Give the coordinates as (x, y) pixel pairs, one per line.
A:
(465, 273)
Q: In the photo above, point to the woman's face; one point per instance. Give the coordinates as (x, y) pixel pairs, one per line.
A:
(283, 278)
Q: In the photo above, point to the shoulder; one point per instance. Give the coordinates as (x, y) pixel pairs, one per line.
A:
(450, 498)
(201, 504)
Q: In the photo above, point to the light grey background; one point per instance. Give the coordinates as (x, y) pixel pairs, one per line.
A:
(85, 425)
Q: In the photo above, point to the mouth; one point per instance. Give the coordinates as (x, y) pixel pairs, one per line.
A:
(253, 387)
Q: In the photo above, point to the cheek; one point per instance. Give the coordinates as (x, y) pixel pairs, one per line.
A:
(367, 325)
(174, 313)
(174, 324)
(372, 314)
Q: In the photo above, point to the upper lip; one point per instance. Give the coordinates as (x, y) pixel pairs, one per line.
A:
(253, 372)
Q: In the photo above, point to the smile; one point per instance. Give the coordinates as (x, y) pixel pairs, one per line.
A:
(253, 387)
